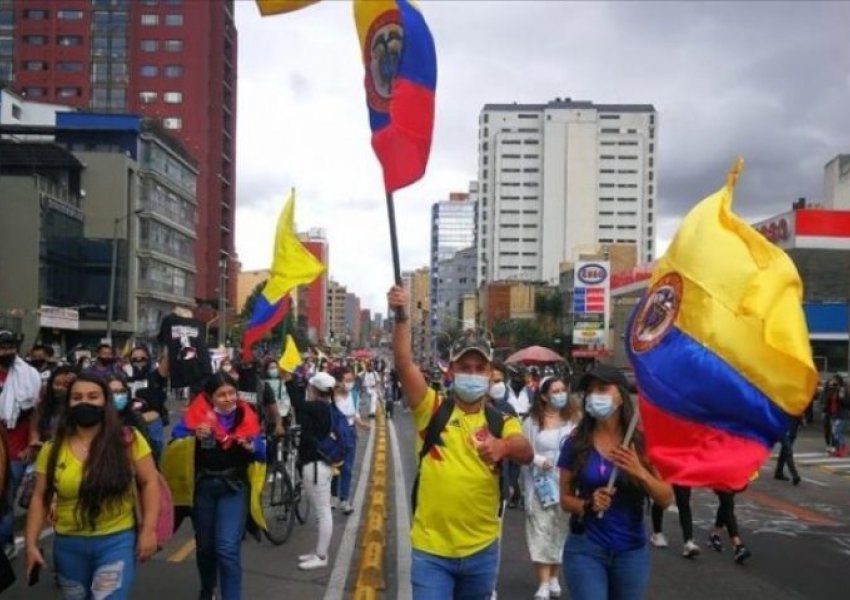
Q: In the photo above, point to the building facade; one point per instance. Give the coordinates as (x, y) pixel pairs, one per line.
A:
(170, 60)
(836, 179)
(555, 178)
(336, 313)
(312, 298)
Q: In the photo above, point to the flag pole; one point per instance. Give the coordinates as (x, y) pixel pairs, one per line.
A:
(627, 440)
(399, 311)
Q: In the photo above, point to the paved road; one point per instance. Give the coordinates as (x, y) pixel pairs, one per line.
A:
(800, 538)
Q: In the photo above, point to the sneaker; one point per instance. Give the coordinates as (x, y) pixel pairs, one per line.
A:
(346, 507)
(542, 592)
(715, 542)
(317, 562)
(306, 557)
(690, 550)
(659, 540)
(796, 480)
(742, 553)
(554, 588)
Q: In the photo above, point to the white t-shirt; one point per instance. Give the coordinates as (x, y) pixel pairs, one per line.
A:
(370, 379)
(345, 404)
(520, 402)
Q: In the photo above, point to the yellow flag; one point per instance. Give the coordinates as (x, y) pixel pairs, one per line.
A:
(276, 7)
(291, 357)
(292, 264)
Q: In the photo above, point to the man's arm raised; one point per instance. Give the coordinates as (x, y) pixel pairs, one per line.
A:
(413, 384)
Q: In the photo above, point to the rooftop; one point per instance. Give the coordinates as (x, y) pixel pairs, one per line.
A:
(569, 103)
(36, 154)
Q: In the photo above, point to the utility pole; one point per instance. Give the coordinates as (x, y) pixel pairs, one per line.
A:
(222, 301)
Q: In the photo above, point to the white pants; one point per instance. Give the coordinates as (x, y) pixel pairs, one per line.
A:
(317, 483)
(373, 399)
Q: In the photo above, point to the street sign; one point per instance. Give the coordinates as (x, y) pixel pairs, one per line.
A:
(591, 299)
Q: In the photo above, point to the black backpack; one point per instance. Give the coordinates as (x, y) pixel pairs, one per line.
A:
(433, 431)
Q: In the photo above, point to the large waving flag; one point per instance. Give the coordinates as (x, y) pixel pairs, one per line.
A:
(720, 349)
(292, 265)
(401, 81)
(276, 7)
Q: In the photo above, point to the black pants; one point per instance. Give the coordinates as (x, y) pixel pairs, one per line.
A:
(827, 430)
(726, 513)
(683, 503)
(786, 454)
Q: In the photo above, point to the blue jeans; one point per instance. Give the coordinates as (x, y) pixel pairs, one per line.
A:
(839, 432)
(470, 578)
(341, 484)
(156, 435)
(101, 567)
(7, 523)
(594, 573)
(219, 516)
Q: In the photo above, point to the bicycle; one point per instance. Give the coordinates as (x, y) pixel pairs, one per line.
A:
(283, 499)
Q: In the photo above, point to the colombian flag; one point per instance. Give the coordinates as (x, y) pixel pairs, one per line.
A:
(292, 265)
(401, 80)
(720, 349)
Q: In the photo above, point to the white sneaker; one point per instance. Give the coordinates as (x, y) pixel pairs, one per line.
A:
(554, 588)
(334, 502)
(346, 507)
(306, 557)
(659, 540)
(542, 592)
(317, 562)
(690, 550)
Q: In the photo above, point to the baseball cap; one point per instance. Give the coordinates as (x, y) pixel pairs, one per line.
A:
(471, 341)
(324, 382)
(605, 374)
(7, 337)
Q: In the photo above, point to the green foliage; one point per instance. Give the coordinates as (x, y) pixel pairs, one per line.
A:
(522, 333)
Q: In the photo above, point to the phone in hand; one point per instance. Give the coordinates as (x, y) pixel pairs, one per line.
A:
(34, 575)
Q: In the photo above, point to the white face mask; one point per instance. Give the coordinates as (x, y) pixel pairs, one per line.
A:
(497, 390)
(599, 406)
(349, 385)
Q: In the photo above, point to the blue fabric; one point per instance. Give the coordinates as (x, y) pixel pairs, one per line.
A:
(219, 517)
(156, 436)
(469, 578)
(621, 527)
(341, 484)
(7, 523)
(595, 573)
(80, 559)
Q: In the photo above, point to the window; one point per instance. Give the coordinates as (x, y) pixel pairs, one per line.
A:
(526, 116)
(606, 213)
(173, 45)
(535, 156)
(35, 65)
(16, 111)
(174, 20)
(609, 117)
(531, 170)
(35, 14)
(627, 143)
(35, 40)
(606, 171)
(147, 97)
(528, 130)
(627, 213)
(173, 71)
(149, 71)
(35, 92)
(69, 67)
(606, 199)
(511, 142)
(606, 157)
(628, 157)
(69, 15)
(148, 20)
(610, 130)
(7, 18)
(172, 123)
(70, 40)
(173, 97)
(7, 45)
(150, 45)
(68, 92)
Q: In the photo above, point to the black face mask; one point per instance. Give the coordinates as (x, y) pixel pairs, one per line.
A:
(59, 394)
(38, 363)
(6, 360)
(105, 360)
(86, 415)
(517, 385)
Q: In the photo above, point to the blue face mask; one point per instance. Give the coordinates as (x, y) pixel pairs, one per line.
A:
(558, 400)
(599, 406)
(470, 388)
(120, 401)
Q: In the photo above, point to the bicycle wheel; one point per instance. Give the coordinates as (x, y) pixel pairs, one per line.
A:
(301, 503)
(277, 503)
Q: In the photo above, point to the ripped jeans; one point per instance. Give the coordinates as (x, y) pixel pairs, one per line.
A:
(99, 567)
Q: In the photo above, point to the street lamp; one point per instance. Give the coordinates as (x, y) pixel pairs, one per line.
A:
(110, 307)
(222, 301)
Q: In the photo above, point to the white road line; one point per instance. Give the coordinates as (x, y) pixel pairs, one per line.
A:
(402, 520)
(824, 460)
(19, 540)
(342, 563)
(815, 482)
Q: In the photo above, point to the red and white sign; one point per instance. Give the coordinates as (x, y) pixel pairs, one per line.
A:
(808, 228)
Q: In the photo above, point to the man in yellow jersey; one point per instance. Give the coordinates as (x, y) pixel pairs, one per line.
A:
(456, 523)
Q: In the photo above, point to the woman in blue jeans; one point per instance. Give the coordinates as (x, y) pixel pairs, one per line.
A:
(606, 554)
(344, 400)
(227, 433)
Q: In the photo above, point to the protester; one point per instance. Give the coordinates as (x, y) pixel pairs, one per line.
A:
(130, 417)
(227, 439)
(104, 365)
(786, 453)
(20, 387)
(549, 422)
(841, 423)
(344, 400)
(457, 497)
(830, 400)
(726, 519)
(606, 554)
(148, 384)
(54, 396)
(683, 504)
(519, 395)
(85, 479)
(277, 384)
(41, 359)
(499, 390)
(370, 381)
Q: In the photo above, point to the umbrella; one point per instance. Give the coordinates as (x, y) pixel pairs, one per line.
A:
(535, 355)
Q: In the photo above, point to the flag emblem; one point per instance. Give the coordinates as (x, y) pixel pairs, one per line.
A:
(382, 53)
(658, 313)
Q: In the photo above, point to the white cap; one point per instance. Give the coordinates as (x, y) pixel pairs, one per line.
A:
(323, 381)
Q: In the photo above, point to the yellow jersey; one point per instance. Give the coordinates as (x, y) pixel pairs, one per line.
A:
(457, 509)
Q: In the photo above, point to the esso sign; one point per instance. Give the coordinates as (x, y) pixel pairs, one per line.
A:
(776, 231)
(592, 274)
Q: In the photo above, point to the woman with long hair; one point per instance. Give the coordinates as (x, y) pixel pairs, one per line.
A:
(345, 403)
(130, 417)
(549, 422)
(147, 385)
(606, 554)
(54, 397)
(227, 438)
(86, 477)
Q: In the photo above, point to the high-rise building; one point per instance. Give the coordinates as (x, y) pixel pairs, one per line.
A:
(170, 60)
(556, 177)
(353, 323)
(836, 183)
(336, 312)
(312, 309)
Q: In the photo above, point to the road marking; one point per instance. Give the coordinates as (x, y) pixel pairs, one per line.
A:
(20, 540)
(183, 552)
(402, 520)
(342, 563)
(809, 517)
(824, 460)
(815, 482)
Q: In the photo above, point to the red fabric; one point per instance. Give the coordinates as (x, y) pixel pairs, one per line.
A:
(404, 144)
(19, 437)
(200, 413)
(255, 334)
(695, 455)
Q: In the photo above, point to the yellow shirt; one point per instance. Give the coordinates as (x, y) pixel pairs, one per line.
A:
(69, 476)
(457, 511)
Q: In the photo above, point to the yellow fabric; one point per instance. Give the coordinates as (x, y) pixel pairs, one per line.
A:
(275, 7)
(366, 12)
(742, 298)
(292, 264)
(457, 510)
(291, 357)
(256, 480)
(69, 476)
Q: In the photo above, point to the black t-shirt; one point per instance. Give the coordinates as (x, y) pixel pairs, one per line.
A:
(219, 459)
(314, 417)
(188, 356)
(151, 390)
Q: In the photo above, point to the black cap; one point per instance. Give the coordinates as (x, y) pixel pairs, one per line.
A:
(471, 341)
(7, 337)
(605, 374)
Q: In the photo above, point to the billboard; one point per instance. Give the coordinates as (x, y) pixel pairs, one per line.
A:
(591, 299)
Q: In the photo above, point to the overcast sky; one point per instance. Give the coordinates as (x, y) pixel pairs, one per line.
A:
(768, 81)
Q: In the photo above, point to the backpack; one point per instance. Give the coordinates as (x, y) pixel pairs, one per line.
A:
(433, 431)
(333, 447)
(165, 520)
